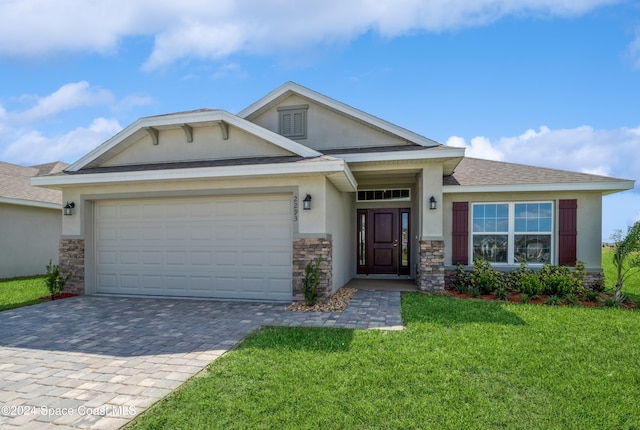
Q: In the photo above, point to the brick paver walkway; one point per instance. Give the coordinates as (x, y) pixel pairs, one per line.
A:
(96, 362)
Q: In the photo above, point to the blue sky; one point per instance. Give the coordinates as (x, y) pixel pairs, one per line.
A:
(552, 83)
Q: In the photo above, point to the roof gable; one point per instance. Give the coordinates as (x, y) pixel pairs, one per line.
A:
(332, 125)
(189, 136)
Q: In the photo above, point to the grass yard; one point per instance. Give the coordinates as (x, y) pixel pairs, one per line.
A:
(18, 292)
(631, 287)
(458, 364)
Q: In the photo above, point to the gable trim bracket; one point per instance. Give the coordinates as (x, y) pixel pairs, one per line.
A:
(188, 132)
(224, 130)
(154, 134)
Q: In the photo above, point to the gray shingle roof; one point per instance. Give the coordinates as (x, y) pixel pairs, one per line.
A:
(474, 171)
(15, 182)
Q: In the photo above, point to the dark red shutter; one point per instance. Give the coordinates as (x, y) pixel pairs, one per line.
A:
(460, 233)
(567, 232)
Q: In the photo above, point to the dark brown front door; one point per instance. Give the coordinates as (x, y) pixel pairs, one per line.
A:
(383, 241)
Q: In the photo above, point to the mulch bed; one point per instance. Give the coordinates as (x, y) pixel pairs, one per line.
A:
(542, 299)
(60, 296)
(336, 303)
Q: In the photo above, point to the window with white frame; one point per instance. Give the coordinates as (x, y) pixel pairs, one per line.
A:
(512, 233)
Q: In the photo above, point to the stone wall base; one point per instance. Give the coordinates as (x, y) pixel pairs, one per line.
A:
(306, 250)
(71, 262)
(431, 273)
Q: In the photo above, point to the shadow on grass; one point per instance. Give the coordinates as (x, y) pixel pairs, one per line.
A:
(449, 311)
(311, 339)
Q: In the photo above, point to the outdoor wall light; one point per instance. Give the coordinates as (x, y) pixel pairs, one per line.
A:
(432, 203)
(68, 209)
(306, 203)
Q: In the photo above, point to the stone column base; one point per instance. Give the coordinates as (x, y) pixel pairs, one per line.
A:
(430, 276)
(72, 264)
(305, 250)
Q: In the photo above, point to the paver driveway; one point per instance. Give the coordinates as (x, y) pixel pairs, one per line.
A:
(96, 362)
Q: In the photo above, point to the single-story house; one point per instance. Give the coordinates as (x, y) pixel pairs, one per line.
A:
(31, 226)
(211, 204)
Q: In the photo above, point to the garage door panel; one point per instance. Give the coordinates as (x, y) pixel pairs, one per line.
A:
(233, 247)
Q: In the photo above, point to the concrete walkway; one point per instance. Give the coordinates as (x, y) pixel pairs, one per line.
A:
(97, 362)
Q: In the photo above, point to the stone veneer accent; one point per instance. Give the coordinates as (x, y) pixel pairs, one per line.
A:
(431, 276)
(305, 250)
(72, 264)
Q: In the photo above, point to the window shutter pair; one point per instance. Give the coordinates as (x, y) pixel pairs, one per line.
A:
(567, 233)
(292, 124)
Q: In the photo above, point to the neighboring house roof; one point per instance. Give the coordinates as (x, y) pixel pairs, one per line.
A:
(286, 90)
(476, 175)
(16, 188)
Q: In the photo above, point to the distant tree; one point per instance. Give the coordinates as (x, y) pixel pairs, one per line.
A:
(626, 255)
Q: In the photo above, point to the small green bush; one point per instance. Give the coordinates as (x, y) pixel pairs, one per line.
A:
(553, 300)
(502, 293)
(531, 285)
(54, 279)
(571, 299)
(558, 286)
(514, 278)
(524, 298)
(591, 296)
(311, 281)
(484, 277)
(462, 280)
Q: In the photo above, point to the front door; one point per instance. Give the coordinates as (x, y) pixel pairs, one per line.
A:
(383, 241)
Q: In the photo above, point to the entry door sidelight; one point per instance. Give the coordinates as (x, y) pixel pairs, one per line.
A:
(383, 241)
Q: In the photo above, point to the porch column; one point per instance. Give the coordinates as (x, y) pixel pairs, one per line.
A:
(430, 270)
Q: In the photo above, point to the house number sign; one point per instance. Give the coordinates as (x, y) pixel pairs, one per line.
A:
(295, 208)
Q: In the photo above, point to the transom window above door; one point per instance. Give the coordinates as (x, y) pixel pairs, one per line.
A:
(400, 194)
(513, 233)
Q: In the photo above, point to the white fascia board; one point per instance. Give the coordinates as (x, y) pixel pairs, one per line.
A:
(230, 172)
(194, 118)
(31, 203)
(340, 107)
(401, 155)
(578, 186)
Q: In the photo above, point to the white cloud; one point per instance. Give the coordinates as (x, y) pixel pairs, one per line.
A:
(66, 98)
(634, 50)
(32, 147)
(196, 29)
(604, 152)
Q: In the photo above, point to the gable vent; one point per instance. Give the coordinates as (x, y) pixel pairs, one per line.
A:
(293, 121)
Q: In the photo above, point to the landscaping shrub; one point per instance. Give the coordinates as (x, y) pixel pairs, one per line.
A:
(553, 300)
(54, 279)
(515, 277)
(311, 281)
(484, 277)
(531, 285)
(502, 293)
(560, 280)
(462, 280)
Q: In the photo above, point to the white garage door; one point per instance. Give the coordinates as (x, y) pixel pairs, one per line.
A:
(224, 247)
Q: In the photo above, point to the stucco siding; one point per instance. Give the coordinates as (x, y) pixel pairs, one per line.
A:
(29, 238)
(340, 214)
(589, 219)
(329, 130)
(208, 144)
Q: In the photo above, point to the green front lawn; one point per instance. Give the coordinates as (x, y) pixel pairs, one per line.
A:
(18, 292)
(458, 364)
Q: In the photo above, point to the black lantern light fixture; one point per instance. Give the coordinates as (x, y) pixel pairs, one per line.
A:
(68, 209)
(306, 203)
(433, 204)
